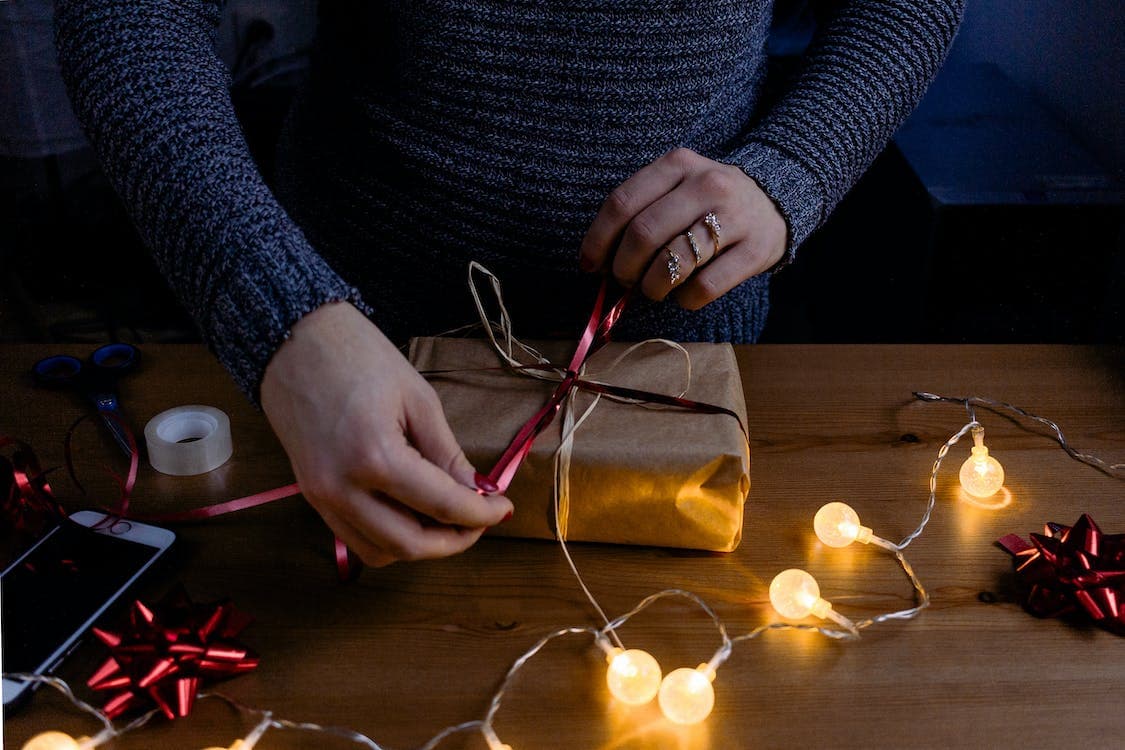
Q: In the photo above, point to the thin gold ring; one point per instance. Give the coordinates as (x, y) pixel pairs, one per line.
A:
(711, 221)
(694, 247)
(673, 266)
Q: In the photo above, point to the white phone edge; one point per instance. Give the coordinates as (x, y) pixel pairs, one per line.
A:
(134, 531)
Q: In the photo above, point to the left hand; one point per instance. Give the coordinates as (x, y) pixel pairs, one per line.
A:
(646, 218)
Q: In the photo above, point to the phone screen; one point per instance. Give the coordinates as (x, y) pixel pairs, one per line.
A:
(59, 586)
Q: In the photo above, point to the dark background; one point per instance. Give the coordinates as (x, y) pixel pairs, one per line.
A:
(995, 216)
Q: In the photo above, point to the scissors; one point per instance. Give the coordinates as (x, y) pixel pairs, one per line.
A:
(95, 380)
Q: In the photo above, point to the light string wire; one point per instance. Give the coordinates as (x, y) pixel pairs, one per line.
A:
(109, 731)
(942, 451)
(485, 725)
(504, 343)
(561, 494)
(265, 723)
(1116, 471)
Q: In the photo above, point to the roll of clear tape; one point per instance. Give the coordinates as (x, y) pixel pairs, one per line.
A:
(188, 440)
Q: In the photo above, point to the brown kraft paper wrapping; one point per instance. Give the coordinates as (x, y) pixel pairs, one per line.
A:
(639, 475)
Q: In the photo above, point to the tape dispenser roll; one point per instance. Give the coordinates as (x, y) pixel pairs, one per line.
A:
(188, 440)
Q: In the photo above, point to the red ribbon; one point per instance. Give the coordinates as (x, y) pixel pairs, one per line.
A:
(1073, 569)
(29, 505)
(124, 484)
(344, 566)
(164, 653)
(595, 335)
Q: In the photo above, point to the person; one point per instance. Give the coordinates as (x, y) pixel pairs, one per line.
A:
(549, 141)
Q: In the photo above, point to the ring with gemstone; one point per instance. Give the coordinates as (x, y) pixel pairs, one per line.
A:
(673, 266)
(694, 247)
(711, 221)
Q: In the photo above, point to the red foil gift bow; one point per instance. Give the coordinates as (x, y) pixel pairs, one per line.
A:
(1073, 569)
(165, 652)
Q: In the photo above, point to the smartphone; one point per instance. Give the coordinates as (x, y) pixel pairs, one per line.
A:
(56, 590)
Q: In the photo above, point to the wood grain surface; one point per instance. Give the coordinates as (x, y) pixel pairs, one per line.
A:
(407, 650)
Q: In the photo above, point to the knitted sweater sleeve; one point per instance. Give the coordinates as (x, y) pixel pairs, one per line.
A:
(864, 73)
(153, 95)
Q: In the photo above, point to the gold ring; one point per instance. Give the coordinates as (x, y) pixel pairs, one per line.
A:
(711, 221)
(673, 266)
(694, 247)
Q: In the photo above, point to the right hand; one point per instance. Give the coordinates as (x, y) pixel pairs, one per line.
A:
(369, 443)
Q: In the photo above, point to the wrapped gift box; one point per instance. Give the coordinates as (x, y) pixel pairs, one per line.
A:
(639, 474)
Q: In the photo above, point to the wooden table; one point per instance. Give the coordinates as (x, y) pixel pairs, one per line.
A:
(410, 649)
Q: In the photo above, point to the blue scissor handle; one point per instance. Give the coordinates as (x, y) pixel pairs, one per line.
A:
(115, 359)
(109, 363)
(95, 382)
(57, 371)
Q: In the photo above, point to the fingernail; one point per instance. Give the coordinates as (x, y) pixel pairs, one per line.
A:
(585, 264)
(485, 483)
(507, 517)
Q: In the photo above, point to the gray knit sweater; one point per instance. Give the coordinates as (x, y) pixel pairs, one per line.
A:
(438, 131)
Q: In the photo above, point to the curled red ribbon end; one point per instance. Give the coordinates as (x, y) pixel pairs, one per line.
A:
(1072, 569)
(164, 652)
(29, 506)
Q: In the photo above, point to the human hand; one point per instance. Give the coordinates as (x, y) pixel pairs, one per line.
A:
(369, 443)
(645, 218)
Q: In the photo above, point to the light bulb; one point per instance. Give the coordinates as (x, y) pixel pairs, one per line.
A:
(795, 595)
(493, 741)
(837, 525)
(633, 676)
(981, 474)
(686, 695)
(238, 745)
(54, 741)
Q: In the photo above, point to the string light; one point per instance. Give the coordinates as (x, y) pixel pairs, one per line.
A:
(56, 741)
(686, 696)
(493, 741)
(795, 595)
(837, 525)
(633, 676)
(249, 741)
(981, 475)
(1113, 470)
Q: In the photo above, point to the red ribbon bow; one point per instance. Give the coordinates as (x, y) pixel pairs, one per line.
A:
(595, 335)
(1073, 569)
(164, 653)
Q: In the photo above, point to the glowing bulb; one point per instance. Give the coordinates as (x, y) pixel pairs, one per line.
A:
(54, 741)
(238, 745)
(493, 741)
(795, 595)
(633, 676)
(981, 474)
(837, 525)
(687, 696)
